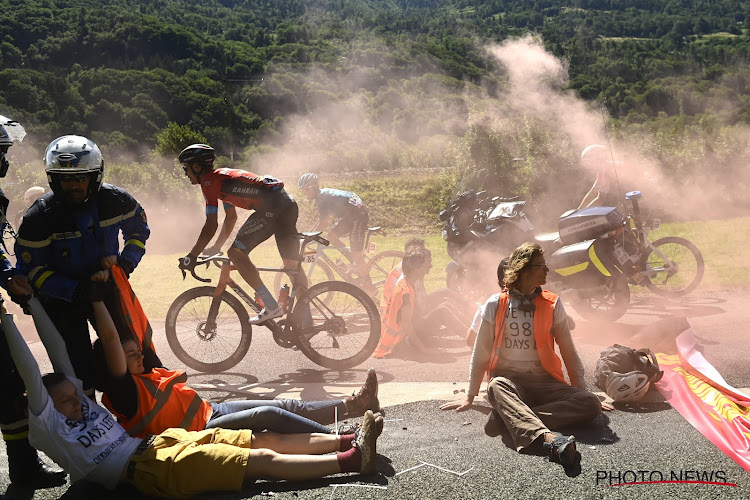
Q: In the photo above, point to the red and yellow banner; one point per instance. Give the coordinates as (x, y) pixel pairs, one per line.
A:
(696, 389)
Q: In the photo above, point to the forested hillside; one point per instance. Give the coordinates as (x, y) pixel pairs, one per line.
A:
(378, 85)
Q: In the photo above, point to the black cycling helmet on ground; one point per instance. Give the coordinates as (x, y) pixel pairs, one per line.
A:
(71, 155)
(203, 154)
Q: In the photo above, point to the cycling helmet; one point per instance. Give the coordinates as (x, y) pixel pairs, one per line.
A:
(203, 154)
(594, 153)
(307, 180)
(73, 154)
(630, 386)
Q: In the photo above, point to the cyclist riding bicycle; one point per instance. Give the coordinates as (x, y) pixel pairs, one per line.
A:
(275, 213)
(350, 216)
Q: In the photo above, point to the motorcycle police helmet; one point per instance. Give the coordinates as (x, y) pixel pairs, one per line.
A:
(203, 154)
(307, 180)
(594, 153)
(70, 155)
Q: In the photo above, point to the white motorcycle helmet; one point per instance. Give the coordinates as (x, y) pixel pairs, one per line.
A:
(73, 154)
(622, 387)
(594, 153)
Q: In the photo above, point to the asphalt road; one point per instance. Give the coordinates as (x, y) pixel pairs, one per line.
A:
(648, 439)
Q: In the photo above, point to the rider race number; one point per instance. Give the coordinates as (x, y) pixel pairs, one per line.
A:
(371, 247)
(311, 258)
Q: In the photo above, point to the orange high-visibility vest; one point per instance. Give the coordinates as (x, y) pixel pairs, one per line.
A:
(132, 311)
(390, 283)
(392, 331)
(164, 401)
(545, 342)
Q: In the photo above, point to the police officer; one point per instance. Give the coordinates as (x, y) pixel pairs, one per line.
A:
(71, 233)
(25, 466)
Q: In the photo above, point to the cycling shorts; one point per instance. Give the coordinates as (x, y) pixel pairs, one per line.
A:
(356, 226)
(279, 220)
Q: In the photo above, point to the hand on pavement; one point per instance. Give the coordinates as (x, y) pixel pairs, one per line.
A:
(458, 404)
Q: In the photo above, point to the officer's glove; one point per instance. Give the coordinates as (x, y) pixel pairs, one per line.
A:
(125, 265)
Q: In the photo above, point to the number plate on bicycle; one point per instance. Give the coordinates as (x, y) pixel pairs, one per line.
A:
(655, 223)
(621, 255)
(371, 248)
(310, 258)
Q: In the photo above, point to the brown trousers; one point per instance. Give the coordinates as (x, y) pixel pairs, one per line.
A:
(532, 405)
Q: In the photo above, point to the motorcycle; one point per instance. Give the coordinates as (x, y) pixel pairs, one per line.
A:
(596, 254)
(603, 252)
(477, 227)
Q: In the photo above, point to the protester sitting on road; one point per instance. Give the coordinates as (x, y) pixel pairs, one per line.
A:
(397, 323)
(148, 399)
(349, 215)
(515, 345)
(411, 245)
(87, 442)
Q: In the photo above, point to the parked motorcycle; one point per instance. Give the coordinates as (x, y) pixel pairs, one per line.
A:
(593, 258)
(478, 227)
(605, 251)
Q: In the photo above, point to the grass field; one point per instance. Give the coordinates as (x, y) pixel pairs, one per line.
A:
(724, 245)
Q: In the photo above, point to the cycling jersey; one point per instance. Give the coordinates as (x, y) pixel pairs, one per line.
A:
(341, 204)
(239, 188)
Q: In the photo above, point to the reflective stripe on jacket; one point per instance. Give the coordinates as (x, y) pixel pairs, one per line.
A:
(164, 401)
(392, 329)
(545, 342)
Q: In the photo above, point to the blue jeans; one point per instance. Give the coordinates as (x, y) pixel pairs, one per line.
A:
(287, 416)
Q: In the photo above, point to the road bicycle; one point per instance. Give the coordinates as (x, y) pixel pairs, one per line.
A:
(320, 266)
(335, 324)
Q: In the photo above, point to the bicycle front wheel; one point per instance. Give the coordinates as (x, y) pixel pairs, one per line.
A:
(381, 265)
(210, 345)
(336, 325)
(674, 267)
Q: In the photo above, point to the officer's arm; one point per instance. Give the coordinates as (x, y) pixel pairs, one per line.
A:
(135, 232)
(33, 254)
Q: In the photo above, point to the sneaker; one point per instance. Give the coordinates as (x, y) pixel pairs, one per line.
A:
(366, 398)
(366, 439)
(264, 315)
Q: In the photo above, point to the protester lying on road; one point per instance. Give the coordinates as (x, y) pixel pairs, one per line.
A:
(89, 444)
(515, 345)
(148, 399)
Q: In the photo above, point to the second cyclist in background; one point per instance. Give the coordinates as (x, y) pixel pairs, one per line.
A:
(341, 212)
(275, 213)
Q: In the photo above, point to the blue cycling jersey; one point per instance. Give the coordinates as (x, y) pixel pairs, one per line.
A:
(339, 203)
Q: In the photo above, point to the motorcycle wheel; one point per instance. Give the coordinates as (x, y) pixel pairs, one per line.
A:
(674, 267)
(609, 305)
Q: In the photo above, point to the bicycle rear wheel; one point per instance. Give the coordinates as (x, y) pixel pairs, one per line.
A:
(381, 265)
(336, 325)
(203, 345)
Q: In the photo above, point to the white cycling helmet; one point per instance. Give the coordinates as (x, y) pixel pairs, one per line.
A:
(307, 180)
(630, 386)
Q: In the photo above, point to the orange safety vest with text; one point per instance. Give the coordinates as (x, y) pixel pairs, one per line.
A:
(545, 342)
(164, 401)
(130, 309)
(392, 331)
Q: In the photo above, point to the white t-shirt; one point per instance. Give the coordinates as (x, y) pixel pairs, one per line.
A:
(96, 448)
(518, 352)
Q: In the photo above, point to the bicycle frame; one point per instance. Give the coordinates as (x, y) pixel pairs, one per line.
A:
(280, 329)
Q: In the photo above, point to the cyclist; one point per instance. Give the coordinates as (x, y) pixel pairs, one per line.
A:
(275, 213)
(351, 217)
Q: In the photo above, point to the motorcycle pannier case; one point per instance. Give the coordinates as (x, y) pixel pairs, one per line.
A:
(585, 264)
(588, 223)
